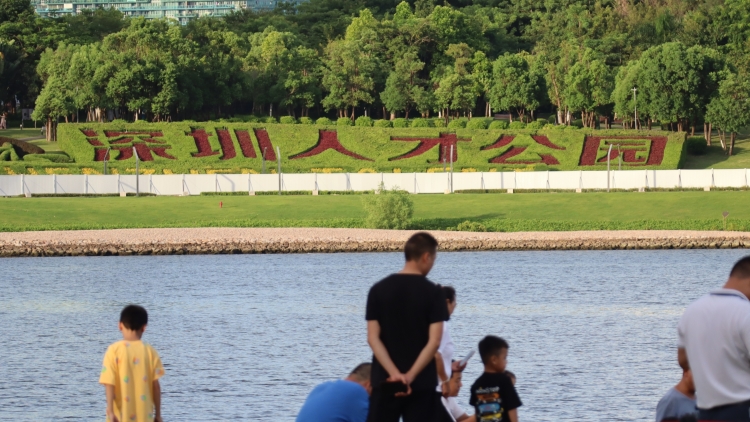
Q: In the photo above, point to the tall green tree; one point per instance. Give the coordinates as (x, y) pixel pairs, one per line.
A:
(730, 109)
(516, 86)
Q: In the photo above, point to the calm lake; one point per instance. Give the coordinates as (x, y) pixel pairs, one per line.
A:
(246, 337)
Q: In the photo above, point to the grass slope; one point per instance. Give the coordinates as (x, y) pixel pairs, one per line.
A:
(498, 212)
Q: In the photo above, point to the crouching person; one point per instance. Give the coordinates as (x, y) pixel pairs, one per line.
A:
(346, 400)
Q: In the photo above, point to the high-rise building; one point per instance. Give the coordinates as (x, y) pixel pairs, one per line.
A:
(182, 11)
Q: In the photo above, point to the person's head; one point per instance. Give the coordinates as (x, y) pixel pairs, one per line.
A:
(512, 376)
(420, 251)
(455, 383)
(133, 320)
(361, 375)
(494, 353)
(450, 298)
(739, 277)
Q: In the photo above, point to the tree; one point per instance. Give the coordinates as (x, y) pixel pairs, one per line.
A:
(730, 109)
(588, 86)
(455, 90)
(516, 86)
(481, 73)
(622, 95)
(404, 89)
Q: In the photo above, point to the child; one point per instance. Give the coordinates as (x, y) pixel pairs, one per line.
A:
(453, 412)
(131, 372)
(493, 395)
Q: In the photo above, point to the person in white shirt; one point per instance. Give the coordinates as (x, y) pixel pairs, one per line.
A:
(453, 410)
(444, 355)
(714, 342)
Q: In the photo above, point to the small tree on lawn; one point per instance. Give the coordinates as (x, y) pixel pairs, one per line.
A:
(730, 110)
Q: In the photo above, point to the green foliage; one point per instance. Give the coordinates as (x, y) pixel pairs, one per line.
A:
(477, 123)
(438, 122)
(471, 226)
(499, 125)
(420, 123)
(306, 121)
(388, 209)
(517, 125)
(324, 121)
(344, 121)
(382, 123)
(287, 120)
(457, 124)
(696, 145)
(400, 122)
(535, 125)
(577, 123)
(364, 121)
(269, 120)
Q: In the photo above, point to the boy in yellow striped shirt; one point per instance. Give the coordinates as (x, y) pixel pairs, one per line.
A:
(131, 372)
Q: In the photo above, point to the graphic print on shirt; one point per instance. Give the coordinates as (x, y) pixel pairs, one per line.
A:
(489, 405)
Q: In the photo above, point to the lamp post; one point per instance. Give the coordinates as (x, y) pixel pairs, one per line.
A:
(635, 108)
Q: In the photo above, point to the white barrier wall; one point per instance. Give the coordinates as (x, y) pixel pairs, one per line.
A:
(194, 184)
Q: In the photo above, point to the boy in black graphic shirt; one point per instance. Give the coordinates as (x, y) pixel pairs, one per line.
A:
(493, 395)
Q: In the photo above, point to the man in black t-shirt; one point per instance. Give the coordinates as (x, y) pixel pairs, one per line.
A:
(493, 395)
(405, 314)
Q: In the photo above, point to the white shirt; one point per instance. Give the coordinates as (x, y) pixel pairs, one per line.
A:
(715, 333)
(451, 405)
(447, 349)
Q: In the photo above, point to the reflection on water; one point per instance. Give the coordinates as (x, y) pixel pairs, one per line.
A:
(592, 334)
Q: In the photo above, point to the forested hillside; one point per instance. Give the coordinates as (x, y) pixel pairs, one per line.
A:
(688, 59)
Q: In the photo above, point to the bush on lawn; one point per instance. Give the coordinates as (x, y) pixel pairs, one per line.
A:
(344, 121)
(382, 123)
(400, 122)
(457, 124)
(420, 123)
(306, 121)
(389, 209)
(696, 145)
(269, 119)
(438, 122)
(287, 120)
(517, 125)
(324, 121)
(578, 123)
(477, 123)
(471, 226)
(499, 125)
(365, 121)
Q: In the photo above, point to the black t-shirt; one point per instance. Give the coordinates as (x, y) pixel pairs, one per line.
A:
(493, 396)
(405, 305)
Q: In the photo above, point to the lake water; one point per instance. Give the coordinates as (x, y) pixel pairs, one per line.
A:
(245, 337)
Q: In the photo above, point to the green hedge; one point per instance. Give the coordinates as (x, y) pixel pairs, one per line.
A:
(371, 142)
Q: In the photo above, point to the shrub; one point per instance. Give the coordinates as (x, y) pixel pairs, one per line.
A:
(517, 125)
(536, 125)
(400, 122)
(499, 124)
(252, 119)
(420, 123)
(55, 158)
(696, 145)
(306, 121)
(391, 209)
(382, 123)
(477, 123)
(344, 121)
(324, 121)
(471, 226)
(269, 119)
(287, 120)
(438, 122)
(365, 121)
(577, 123)
(119, 121)
(457, 124)
(552, 119)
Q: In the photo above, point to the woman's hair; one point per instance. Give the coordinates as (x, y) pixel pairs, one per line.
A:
(449, 293)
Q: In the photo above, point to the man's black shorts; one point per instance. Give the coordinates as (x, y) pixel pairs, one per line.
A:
(738, 412)
(419, 406)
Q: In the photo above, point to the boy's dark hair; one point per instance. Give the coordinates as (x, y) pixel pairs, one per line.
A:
(134, 317)
(490, 346)
(741, 269)
(418, 245)
(449, 292)
(362, 371)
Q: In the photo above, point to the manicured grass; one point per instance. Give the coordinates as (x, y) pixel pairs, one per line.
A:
(47, 146)
(17, 133)
(718, 159)
(500, 212)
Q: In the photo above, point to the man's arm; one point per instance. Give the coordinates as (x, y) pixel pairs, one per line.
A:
(157, 401)
(513, 415)
(109, 391)
(380, 352)
(442, 376)
(428, 352)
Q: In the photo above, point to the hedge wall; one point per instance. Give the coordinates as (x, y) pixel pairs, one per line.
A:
(172, 148)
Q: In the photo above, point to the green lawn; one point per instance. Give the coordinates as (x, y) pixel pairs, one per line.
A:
(15, 132)
(499, 212)
(718, 159)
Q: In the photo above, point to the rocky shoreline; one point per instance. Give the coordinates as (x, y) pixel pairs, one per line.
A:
(126, 242)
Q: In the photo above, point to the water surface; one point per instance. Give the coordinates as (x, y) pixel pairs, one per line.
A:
(246, 337)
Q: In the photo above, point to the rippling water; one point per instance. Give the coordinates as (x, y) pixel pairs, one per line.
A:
(244, 337)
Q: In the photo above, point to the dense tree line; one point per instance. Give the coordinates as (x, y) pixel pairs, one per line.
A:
(684, 63)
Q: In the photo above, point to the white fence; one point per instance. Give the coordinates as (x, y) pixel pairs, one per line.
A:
(194, 184)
